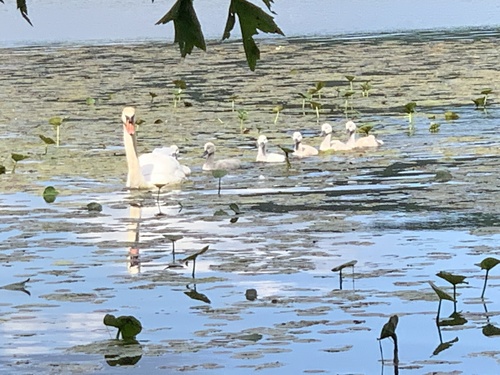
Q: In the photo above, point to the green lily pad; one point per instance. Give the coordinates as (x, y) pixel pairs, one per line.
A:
(50, 194)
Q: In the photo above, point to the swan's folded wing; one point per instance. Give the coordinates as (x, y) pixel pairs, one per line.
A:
(160, 169)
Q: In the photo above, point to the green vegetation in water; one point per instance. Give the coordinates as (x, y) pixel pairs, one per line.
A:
(409, 109)
(94, 207)
(442, 295)
(193, 258)
(487, 264)
(219, 173)
(233, 98)
(316, 106)
(277, 109)
(450, 115)
(287, 152)
(453, 280)
(17, 158)
(483, 100)
(339, 269)
(242, 116)
(153, 96)
(434, 127)
(3, 170)
(56, 122)
(351, 80)
(389, 330)
(365, 88)
(48, 141)
(180, 86)
(128, 326)
(50, 194)
(365, 129)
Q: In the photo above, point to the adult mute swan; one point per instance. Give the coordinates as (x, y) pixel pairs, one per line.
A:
(212, 164)
(301, 150)
(263, 156)
(155, 169)
(175, 154)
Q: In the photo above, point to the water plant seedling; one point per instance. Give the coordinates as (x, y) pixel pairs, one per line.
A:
(219, 173)
(159, 186)
(193, 258)
(173, 238)
(316, 106)
(442, 295)
(287, 152)
(194, 294)
(389, 330)
(487, 264)
(351, 80)
(56, 122)
(48, 141)
(365, 88)
(180, 86)
(409, 109)
(17, 158)
(233, 100)
(277, 109)
(453, 280)
(128, 326)
(339, 269)
(242, 116)
(153, 96)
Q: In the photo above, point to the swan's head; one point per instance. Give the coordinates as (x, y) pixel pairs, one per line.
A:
(261, 141)
(128, 118)
(297, 137)
(175, 151)
(209, 149)
(350, 127)
(326, 129)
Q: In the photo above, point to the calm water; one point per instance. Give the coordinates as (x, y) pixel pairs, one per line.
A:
(94, 21)
(382, 207)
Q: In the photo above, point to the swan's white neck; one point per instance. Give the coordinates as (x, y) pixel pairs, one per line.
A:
(325, 145)
(352, 139)
(262, 150)
(135, 179)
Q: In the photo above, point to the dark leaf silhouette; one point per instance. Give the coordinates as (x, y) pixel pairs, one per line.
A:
(251, 19)
(187, 28)
(19, 286)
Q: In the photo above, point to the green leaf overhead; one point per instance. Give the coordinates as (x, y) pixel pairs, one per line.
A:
(251, 19)
(187, 28)
(21, 5)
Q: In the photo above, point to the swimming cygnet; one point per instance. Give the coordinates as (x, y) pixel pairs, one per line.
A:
(301, 150)
(327, 144)
(363, 142)
(175, 154)
(212, 164)
(264, 156)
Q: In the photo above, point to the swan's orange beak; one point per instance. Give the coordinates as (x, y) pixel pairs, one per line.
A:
(130, 126)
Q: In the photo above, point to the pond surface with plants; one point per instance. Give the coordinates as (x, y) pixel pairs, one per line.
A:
(424, 202)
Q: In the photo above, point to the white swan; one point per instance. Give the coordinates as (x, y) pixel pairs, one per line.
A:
(301, 150)
(327, 143)
(175, 154)
(155, 169)
(212, 164)
(363, 142)
(263, 156)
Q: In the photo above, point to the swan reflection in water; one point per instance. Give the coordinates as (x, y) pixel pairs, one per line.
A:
(133, 261)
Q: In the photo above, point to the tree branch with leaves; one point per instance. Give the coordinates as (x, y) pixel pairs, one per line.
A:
(188, 32)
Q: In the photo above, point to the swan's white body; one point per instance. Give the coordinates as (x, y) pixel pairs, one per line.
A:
(264, 156)
(155, 169)
(175, 154)
(301, 150)
(211, 164)
(352, 142)
(328, 144)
